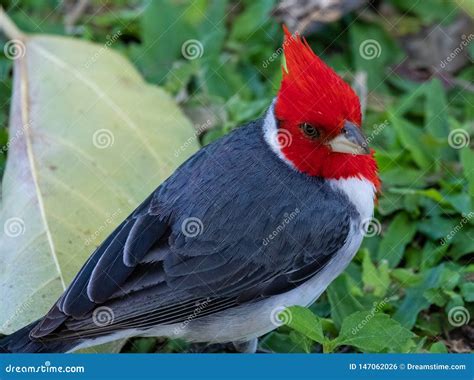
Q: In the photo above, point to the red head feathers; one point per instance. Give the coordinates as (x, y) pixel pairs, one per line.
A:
(322, 114)
(312, 89)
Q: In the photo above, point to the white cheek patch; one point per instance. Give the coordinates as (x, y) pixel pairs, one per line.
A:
(270, 134)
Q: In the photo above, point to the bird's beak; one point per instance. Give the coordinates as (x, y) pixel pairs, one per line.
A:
(350, 140)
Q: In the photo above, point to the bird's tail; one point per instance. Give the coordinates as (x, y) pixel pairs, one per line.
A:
(20, 342)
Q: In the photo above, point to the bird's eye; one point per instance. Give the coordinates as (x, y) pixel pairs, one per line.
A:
(309, 130)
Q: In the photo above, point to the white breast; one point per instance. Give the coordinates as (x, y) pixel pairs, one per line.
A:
(361, 193)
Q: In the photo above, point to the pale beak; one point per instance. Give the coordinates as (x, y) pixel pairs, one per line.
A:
(350, 140)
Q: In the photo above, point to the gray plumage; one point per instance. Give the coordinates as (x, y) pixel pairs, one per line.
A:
(150, 272)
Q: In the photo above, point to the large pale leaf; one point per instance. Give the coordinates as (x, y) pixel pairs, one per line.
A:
(89, 140)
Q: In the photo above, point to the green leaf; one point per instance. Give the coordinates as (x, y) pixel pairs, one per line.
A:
(436, 296)
(414, 140)
(306, 323)
(432, 254)
(461, 202)
(463, 242)
(436, 121)
(402, 176)
(302, 341)
(436, 118)
(438, 348)
(436, 227)
(375, 280)
(396, 237)
(161, 44)
(341, 299)
(252, 19)
(430, 324)
(175, 30)
(406, 277)
(467, 162)
(373, 51)
(283, 343)
(414, 301)
(89, 141)
(467, 291)
(372, 331)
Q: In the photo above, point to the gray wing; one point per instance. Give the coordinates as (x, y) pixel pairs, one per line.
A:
(151, 270)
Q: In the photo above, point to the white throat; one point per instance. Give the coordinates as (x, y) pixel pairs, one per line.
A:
(361, 193)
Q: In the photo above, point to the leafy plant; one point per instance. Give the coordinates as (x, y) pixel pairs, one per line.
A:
(368, 331)
(416, 260)
(82, 156)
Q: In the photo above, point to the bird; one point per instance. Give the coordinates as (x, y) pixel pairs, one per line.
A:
(262, 219)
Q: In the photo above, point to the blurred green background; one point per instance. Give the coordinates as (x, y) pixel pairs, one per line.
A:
(411, 62)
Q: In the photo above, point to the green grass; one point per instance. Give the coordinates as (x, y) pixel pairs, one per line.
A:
(414, 273)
